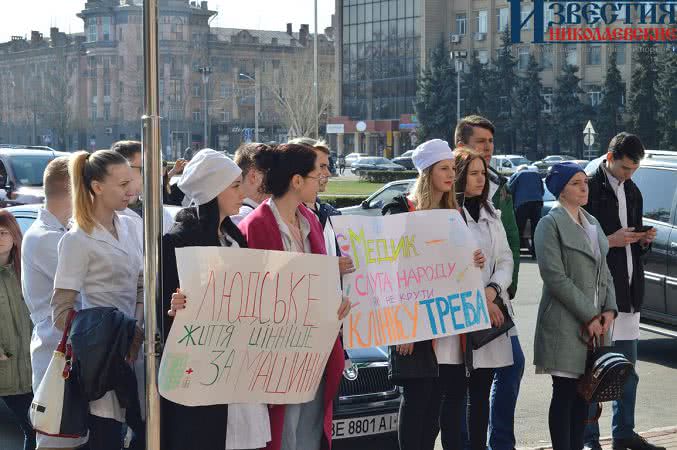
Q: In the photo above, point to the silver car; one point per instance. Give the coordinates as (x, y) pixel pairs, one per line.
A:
(373, 204)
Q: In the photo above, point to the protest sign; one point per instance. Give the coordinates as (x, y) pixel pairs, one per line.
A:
(415, 278)
(258, 327)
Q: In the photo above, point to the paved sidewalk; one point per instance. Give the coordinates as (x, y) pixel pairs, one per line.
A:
(665, 437)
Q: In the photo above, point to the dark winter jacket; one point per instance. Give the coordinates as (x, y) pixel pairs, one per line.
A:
(603, 205)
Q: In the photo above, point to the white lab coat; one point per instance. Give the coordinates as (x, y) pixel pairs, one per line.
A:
(106, 272)
(38, 266)
(492, 240)
(167, 221)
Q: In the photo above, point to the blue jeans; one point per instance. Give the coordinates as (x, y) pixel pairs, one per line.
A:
(19, 406)
(503, 400)
(623, 419)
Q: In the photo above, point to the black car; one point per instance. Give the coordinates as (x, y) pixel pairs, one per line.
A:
(374, 163)
(405, 160)
(368, 402)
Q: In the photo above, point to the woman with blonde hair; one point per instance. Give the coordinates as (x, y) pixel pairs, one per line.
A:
(420, 368)
(101, 260)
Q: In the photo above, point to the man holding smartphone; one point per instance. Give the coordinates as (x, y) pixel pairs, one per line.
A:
(616, 202)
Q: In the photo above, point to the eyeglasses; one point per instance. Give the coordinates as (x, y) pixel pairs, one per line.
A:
(319, 178)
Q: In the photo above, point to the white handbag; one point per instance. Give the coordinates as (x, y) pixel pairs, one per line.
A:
(59, 408)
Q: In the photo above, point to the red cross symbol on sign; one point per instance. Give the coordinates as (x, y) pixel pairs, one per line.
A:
(189, 371)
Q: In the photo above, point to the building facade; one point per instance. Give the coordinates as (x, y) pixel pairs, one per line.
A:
(85, 90)
(385, 43)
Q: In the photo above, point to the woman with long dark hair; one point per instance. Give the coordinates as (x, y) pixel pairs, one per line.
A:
(15, 330)
(292, 177)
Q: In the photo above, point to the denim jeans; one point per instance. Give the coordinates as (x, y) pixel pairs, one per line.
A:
(504, 394)
(623, 419)
(19, 406)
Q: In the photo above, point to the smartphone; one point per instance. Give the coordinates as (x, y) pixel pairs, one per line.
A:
(643, 229)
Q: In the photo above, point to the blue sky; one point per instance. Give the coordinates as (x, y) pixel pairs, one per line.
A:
(20, 17)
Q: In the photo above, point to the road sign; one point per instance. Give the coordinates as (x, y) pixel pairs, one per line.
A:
(589, 139)
(589, 129)
(335, 128)
(360, 126)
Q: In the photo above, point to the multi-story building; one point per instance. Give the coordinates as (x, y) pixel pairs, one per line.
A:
(85, 90)
(383, 44)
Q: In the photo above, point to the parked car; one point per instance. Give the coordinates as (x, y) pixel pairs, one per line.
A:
(546, 163)
(367, 404)
(352, 157)
(374, 163)
(405, 160)
(21, 170)
(508, 164)
(373, 204)
(653, 155)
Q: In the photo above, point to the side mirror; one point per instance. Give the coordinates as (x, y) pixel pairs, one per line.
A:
(364, 204)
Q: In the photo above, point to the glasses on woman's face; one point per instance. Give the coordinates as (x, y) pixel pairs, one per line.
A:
(319, 178)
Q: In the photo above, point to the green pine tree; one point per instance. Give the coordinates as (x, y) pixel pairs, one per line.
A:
(571, 113)
(529, 109)
(610, 112)
(667, 86)
(471, 88)
(436, 97)
(643, 98)
(501, 86)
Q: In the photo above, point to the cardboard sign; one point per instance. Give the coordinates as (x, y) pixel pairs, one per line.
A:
(415, 278)
(258, 327)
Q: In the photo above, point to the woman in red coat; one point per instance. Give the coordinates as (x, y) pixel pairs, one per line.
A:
(292, 176)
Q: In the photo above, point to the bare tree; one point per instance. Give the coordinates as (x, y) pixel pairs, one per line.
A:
(294, 94)
(57, 111)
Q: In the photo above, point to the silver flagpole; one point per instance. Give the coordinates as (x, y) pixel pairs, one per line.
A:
(152, 219)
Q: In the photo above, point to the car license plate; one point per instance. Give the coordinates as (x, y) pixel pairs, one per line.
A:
(364, 426)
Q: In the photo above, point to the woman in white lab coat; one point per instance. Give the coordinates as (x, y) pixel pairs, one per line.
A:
(101, 259)
(484, 221)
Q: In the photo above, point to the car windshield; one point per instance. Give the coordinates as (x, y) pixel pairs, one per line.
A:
(374, 161)
(28, 169)
(407, 154)
(519, 161)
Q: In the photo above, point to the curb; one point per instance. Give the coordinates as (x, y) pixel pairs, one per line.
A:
(652, 433)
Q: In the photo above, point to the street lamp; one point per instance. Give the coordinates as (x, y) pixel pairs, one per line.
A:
(458, 56)
(256, 105)
(205, 71)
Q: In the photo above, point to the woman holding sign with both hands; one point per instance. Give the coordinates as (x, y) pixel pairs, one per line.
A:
(212, 181)
(421, 368)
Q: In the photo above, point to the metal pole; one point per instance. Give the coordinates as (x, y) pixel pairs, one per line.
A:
(152, 217)
(458, 93)
(205, 81)
(315, 80)
(257, 99)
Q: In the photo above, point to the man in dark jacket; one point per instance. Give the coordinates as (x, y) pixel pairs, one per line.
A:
(616, 203)
(477, 133)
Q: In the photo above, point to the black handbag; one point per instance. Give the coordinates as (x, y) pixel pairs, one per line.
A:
(605, 375)
(478, 339)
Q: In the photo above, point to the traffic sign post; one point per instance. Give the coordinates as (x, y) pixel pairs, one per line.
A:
(589, 138)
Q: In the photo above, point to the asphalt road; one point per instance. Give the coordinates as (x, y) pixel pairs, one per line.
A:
(657, 368)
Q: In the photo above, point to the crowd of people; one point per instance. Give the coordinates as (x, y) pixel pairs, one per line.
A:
(85, 251)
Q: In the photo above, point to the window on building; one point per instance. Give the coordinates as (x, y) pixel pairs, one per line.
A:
(481, 25)
(482, 56)
(106, 87)
(177, 32)
(525, 11)
(226, 116)
(106, 111)
(523, 58)
(619, 49)
(571, 55)
(226, 89)
(594, 94)
(547, 99)
(623, 95)
(197, 115)
(176, 90)
(502, 17)
(504, 104)
(92, 112)
(546, 57)
(197, 89)
(461, 23)
(594, 52)
(91, 30)
(105, 27)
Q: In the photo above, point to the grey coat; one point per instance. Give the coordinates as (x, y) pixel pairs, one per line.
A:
(571, 276)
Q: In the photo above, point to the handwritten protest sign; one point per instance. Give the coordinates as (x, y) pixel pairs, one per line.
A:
(415, 278)
(258, 327)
